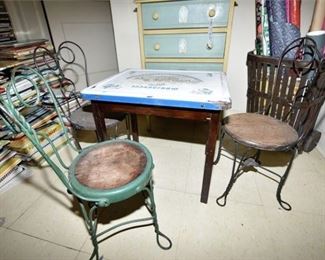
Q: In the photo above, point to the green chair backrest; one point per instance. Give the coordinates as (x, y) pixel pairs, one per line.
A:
(14, 103)
(52, 66)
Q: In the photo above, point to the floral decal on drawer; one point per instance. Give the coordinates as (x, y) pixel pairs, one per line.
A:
(182, 46)
(183, 14)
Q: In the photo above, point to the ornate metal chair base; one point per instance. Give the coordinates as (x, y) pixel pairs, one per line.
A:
(285, 96)
(125, 171)
(260, 133)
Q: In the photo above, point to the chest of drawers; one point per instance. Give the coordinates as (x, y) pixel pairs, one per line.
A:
(185, 34)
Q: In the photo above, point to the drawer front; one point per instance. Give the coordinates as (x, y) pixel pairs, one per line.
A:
(184, 45)
(185, 14)
(185, 66)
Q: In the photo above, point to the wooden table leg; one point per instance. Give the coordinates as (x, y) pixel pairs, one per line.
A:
(134, 127)
(99, 118)
(209, 155)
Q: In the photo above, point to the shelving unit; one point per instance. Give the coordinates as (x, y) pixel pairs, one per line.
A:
(6, 30)
(14, 148)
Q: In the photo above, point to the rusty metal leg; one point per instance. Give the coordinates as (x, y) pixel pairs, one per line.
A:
(235, 173)
(221, 137)
(285, 205)
(209, 155)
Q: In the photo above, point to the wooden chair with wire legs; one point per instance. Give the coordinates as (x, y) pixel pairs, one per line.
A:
(71, 59)
(291, 94)
(100, 175)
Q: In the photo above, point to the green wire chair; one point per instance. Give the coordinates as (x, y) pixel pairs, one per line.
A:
(70, 58)
(100, 175)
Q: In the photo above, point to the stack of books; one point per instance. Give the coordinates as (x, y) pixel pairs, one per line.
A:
(23, 51)
(9, 162)
(25, 147)
(3, 80)
(15, 147)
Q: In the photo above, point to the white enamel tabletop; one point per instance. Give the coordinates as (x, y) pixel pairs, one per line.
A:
(172, 88)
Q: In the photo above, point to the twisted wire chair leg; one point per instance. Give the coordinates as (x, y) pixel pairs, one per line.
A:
(285, 205)
(90, 219)
(222, 135)
(257, 156)
(235, 173)
(152, 209)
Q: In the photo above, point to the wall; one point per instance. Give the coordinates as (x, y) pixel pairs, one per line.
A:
(126, 34)
(242, 41)
(88, 23)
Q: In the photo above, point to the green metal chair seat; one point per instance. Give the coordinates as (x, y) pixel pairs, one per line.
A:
(111, 171)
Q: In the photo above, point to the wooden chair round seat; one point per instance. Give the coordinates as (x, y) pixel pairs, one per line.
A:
(260, 131)
(111, 171)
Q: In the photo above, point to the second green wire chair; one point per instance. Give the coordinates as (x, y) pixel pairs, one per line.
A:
(71, 59)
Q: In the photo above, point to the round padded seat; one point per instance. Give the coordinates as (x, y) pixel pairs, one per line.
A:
(260, 131)
(111, 170)
(84, 120)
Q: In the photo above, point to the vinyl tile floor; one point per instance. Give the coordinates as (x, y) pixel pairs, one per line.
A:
(39, 220)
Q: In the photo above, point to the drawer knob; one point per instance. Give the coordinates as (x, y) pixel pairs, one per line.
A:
(212, 12)
(156, 47)
(209, 45)
(155, 16)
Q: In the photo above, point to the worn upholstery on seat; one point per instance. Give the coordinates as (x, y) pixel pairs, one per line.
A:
(110, 166)
(82, 119)
(259, 131)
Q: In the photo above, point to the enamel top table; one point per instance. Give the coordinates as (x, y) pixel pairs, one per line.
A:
(193, 95)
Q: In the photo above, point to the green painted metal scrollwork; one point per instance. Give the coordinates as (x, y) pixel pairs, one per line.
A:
(40, 85)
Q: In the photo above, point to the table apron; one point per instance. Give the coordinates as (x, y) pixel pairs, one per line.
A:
(170, 112)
